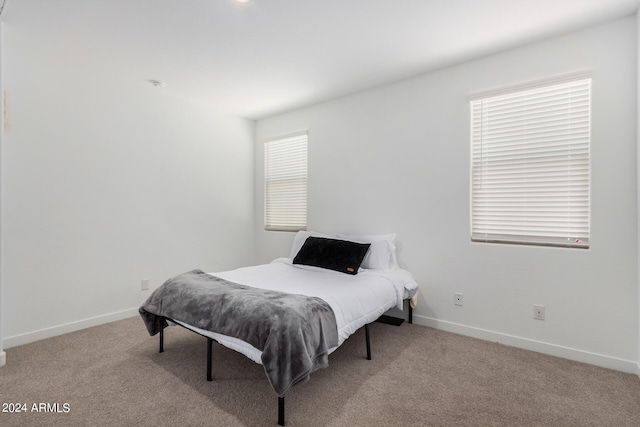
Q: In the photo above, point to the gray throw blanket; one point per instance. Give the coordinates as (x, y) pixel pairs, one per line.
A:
(294, 332)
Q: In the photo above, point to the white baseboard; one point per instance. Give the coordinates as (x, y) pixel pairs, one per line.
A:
(53, 331)
(483, 334)
(601, 360)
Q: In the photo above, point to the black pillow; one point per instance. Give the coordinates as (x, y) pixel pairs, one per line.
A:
(333, 254)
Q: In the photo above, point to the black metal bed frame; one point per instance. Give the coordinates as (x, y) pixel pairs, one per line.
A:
(210, 354)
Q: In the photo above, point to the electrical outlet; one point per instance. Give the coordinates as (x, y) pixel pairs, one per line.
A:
(457, 298)
(538, 312)
(144, 284)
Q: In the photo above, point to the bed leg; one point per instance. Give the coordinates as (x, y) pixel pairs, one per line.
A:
(366, 331)
(410, 313)
(209, 362)
(161, 344)
(281, 411)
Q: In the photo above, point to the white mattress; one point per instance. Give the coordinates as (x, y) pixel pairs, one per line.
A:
(356, 300)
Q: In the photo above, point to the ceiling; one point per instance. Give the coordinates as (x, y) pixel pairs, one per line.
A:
(268, 56)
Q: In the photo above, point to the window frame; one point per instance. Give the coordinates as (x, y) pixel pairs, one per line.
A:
(516, 231)
(286, 210)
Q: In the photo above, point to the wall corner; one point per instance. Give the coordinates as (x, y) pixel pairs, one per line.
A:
(638, 184)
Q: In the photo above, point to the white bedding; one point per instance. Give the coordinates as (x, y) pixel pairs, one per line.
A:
(355, 299)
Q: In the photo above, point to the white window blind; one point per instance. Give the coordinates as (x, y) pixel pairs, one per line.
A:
(285, 166)
(530, 166)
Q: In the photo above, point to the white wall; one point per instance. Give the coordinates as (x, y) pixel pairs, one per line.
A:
(396, 159)
(637, 169)
(107, 182)
(3, 355)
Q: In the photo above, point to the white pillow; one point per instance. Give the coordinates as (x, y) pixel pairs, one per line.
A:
(382, 252)
(300, 238)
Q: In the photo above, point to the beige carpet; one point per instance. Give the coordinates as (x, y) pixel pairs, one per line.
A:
(113, 375)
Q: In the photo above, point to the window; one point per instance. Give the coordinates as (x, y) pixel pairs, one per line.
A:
(530, 165)
(285, 177)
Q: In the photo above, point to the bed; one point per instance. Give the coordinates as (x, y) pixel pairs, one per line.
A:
(290, 314)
